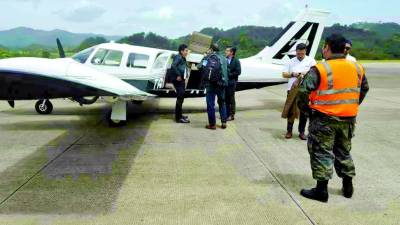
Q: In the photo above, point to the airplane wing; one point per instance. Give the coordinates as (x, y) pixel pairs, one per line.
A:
(38, 78)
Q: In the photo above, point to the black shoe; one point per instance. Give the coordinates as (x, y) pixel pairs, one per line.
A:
(211, 127)
(289, 135)
(183, 120)
(185, 117)
(302, 136)
(319, 193)
(231, 118)
(348, 188)
(223, 125)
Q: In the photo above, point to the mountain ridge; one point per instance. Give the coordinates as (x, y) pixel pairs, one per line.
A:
(22, 37)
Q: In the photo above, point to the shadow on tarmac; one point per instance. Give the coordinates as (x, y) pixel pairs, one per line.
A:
(79, 172)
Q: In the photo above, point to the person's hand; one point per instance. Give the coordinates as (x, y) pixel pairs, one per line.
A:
(179, 78)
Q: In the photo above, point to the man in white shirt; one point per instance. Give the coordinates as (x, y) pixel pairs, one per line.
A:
(296, 68)
(347, 49)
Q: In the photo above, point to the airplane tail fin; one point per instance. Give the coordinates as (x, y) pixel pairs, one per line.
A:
(306, 28)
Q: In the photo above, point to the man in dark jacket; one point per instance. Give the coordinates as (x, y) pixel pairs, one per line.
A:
(234, 70)
(179, 71)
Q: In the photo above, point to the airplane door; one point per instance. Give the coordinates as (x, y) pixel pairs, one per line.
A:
(159, 70)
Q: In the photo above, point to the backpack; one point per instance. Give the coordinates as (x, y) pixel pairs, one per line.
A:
(212, 71)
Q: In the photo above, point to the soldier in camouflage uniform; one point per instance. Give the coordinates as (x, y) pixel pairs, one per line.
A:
(334, 107)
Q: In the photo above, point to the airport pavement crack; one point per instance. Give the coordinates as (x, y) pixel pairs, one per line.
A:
(274, 176)
(69, 147)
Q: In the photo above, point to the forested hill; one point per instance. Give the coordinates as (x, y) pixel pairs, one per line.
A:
(385, 30)
(370, 40)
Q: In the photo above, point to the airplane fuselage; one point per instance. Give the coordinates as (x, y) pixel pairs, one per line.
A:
(147, 69)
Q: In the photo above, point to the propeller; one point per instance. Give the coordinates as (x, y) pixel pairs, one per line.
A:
(60, 48)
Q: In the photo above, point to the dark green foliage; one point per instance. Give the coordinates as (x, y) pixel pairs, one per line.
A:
(46, 54)
(384, 30)
(150, 40)
(370, 41)
(92, 41)
(393, 46)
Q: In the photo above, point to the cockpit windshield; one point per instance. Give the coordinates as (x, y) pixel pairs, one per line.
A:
(83, 55)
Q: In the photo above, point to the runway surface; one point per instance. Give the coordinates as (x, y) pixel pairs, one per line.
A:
(71, 168)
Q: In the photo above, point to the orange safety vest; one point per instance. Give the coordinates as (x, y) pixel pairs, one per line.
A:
(338, 93)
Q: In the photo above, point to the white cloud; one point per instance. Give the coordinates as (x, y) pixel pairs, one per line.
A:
(163, 13)
(84, 11)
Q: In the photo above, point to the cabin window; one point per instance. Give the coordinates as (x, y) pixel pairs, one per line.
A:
(83, 55)
(137, 61)
(106, 57)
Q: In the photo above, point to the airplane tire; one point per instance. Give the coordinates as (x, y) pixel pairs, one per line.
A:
(44, 109)
(115, 123)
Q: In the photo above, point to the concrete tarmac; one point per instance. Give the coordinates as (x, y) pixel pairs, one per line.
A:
(71, 168)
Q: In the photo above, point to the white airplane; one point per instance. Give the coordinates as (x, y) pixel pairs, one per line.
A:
(121, 73)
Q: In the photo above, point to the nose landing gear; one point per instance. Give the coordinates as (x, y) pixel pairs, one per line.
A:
(44, 107)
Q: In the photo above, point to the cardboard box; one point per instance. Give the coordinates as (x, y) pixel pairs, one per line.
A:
(199, 43)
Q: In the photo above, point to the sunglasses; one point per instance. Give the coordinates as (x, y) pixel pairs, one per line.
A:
(348, 48)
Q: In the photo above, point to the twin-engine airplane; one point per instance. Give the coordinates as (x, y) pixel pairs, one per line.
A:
(121, 73)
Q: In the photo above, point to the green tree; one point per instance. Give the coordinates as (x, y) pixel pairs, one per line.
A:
(90, 42)
(4, 53)
(151, 40)
(392, 46)
(46, 54)
(246, 46)
(135, 39)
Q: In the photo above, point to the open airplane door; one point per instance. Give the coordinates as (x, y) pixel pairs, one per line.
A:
(159, 71)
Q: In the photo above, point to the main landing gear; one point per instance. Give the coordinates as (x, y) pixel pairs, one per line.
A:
(44, 107)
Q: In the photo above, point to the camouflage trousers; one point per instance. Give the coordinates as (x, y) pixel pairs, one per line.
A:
(329, 145)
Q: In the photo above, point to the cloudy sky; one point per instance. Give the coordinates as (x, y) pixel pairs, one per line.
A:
(174, 18)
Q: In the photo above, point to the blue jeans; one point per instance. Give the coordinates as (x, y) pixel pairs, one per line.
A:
(212, 92)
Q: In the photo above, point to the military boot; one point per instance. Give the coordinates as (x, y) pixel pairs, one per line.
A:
(289, 133)
(319, 193)
(347, 189)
